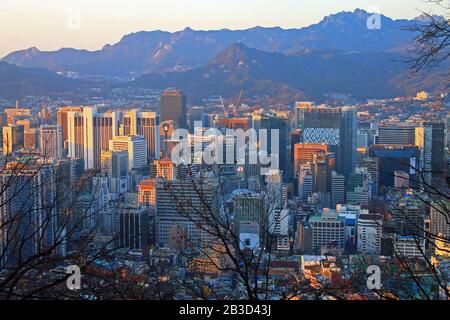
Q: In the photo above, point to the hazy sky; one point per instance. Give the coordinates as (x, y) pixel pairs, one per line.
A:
(90, 24)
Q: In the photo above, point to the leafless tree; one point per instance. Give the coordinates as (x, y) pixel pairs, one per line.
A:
(49, 222)
(431, 45)
(424, 271)
(252, 269)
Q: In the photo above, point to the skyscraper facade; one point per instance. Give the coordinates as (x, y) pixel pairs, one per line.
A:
(62, 120)
(29, 195)
(336, 127)
(13, 138)
(438, 159)
(180, 210)
(136, 146)
(396, 133)
(271, 123)
(146, 124)
(346, 157)
(369, 234)
(196, 114)
(337, 189)
(89, 133)
(51, 141)
(305, 152)
(173, 108)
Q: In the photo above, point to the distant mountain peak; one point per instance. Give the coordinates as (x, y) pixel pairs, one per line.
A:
(233, 55)
(345, 17)
(237, 46)
(159, 51)
(360, 12)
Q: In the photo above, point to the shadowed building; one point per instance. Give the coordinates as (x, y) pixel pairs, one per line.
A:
(173, 107)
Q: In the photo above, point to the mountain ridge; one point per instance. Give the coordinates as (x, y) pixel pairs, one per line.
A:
(314, 74)
(160, 51)
(16, 82)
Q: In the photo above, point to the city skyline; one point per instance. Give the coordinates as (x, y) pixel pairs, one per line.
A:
(86, 25)
(261, 153)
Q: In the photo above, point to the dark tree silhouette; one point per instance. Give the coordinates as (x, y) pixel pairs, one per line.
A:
(431, 46)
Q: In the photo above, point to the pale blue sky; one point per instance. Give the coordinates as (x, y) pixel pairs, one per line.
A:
(52, 24)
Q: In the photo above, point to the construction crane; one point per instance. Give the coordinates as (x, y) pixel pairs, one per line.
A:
(223, 106)
(235, 107)
(238, 103)
(239, 98)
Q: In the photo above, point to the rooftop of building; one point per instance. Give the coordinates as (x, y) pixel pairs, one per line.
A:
(370, 217)
(321, 218)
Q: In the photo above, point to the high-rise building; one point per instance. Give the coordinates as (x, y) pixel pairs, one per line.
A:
(300, 108)
(397, 133)
(393, 158)
(296, 136)
(183, 212)
(144, 124)
(114, 166)
(408, 246)
(305, 152)
(322, 125)
(165, 168)
(336, 127)
(196, 115)
(439, 219)
(275, 190)
(271, 123)
(362, 140)
(13, 138)
(62, 120)
(30, 214)
(369, 234)
(424, 140)
(251, 207)
(408, 217)
(147, 192)
(31, 138)
(50, 137)
(350, 213)
(305, 181)
(327, 230)
(337, 189)
(438, 159)
(89, 133)
(321, 174)
(358, 188)
(173, 108)
(279, 223)
(372, 167)
(321, 164)
(133, 226)
(346, 156)
(136, 146)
